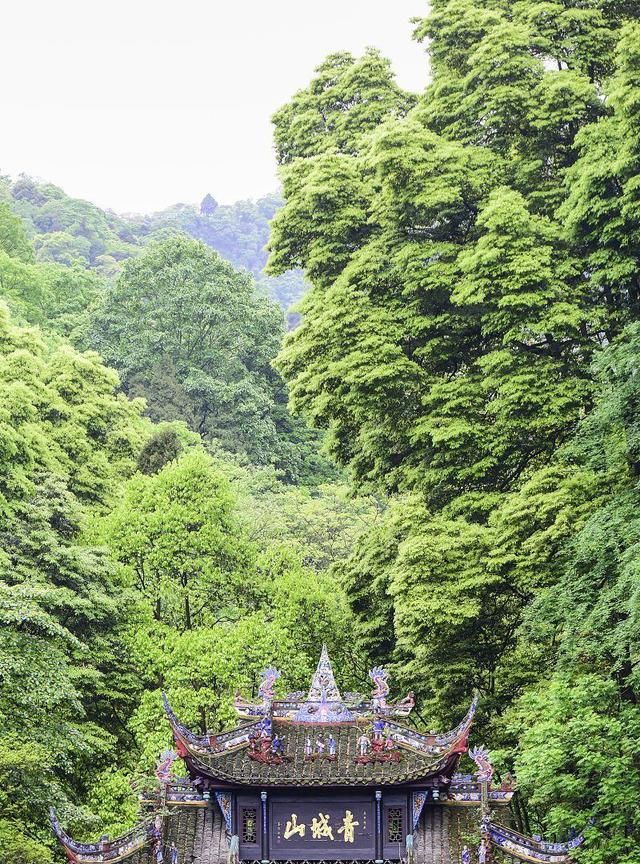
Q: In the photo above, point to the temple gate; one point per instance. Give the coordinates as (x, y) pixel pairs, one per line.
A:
(320, 777)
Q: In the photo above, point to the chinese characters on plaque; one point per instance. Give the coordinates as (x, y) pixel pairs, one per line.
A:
(321, 827)
(298, 826)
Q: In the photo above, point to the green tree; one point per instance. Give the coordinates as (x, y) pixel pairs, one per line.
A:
(514, 402)
(163, 447)
(217, 606)
(584, 631)
(319, 525)
(468, 261)
(601, 210)
(347, 98)
(72, 232)
(67, 441)
(206, 348)
(176, 533)
(13, 239)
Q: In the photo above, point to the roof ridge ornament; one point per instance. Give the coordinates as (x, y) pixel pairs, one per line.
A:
(164, 766)
(379, 704)
(324, 703)
(323, 684)
(123, 846)
(266, 689)
(379, 676)
(523, 848)
(482, 758)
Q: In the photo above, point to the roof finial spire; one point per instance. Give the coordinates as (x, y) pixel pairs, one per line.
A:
(323, 684)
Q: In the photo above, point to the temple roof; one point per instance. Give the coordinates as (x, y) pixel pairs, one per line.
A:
(321, 740)
(530, 849)
(294, 768)
(324, 703)
(123, 847)
(177, 816)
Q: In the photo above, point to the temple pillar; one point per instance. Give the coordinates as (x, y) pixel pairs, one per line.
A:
(378, 826)
(234, 814)
(265, 827)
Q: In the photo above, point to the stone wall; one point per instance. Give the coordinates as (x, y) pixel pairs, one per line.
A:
(443, 831)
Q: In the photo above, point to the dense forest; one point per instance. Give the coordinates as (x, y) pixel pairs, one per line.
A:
(436, 469)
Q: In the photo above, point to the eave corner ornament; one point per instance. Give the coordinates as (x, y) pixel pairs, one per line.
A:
(481, 757)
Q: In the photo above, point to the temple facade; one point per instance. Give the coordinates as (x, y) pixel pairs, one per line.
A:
(322, 777)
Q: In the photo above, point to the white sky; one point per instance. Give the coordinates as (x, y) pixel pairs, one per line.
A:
(138, 104)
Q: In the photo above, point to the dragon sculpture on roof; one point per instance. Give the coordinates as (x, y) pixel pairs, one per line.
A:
(480, 756)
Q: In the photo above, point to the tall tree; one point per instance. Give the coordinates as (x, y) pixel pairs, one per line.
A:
(601, 210)
(208, 205)
(348, 97)
(190, 334)
(175, 532)
(67, 441)
(585, 630)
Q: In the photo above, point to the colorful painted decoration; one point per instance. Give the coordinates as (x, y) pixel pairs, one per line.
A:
(266, 727)
(480, 756)
(378, 728)
(379, 750)
(468, 788)
(164, 766)
(266, 689)
(224, 803)
(418, 800)
(267, 750)
(323, 702)
(105, 850)
(381, 690)
(529, 848)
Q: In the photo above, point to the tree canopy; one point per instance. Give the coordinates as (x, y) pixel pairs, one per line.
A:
(468, 348)
(468, 344)
(76, 233)
(191, 334)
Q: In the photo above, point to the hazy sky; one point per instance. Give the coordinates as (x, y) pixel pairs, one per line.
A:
(137, 104)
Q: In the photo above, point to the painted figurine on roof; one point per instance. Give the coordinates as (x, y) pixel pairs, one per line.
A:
(266, 725)
(266, 691)
(277, 745)
(381, 690)
(364, 743)
(165, 765)
(480, 756)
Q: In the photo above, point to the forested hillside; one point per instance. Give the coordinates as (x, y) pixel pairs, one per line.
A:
(74, 232)
(203, 356)
(470, 343)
